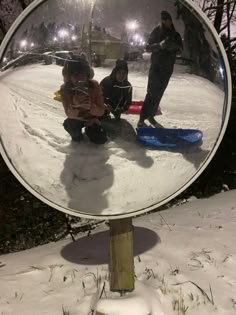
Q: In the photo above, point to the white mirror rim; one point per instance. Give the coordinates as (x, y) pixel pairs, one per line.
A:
(228, 98)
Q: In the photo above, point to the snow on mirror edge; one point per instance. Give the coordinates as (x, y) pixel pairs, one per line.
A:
(121, 176)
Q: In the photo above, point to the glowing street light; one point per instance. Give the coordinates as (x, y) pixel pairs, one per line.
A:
(137, 37)
(73, 37)
(63, 33)
(23, 43)
(132, 25)
(55, 39)
(32, 45)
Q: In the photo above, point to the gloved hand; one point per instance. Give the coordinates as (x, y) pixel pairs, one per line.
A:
(153, 48)
(108, 107)
(82, 101)
(171, 43)
(118, 110)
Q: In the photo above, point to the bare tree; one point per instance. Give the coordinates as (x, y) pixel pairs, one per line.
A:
(219, 15)
(223, 15)
(221, 12)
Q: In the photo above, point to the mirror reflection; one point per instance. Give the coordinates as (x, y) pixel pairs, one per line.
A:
(111, 107)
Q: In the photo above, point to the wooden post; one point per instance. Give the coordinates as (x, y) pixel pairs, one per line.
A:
(121, 256)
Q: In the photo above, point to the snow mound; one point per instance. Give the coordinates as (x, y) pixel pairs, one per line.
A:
(143, 301)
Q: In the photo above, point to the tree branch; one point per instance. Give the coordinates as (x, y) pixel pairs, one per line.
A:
(219, 15)
(218, 6)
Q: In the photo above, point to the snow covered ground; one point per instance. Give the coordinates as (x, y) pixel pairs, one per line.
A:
(119, 177)
(185, 261)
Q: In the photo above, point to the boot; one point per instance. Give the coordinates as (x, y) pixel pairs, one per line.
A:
(154, 122)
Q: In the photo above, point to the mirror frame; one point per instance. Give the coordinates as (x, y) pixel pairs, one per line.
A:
(227, 105)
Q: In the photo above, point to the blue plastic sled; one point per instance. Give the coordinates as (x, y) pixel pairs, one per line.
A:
(168, 138)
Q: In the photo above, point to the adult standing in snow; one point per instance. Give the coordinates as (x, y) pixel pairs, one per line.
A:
(83, 102)
(117, 90)
(164, 44)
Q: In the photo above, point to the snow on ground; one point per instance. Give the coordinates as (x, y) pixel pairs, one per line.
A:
(95, 179)
(181, 256)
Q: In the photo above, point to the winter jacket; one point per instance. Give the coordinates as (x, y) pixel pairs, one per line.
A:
(84, 106)
(164, 45)
(116, 94)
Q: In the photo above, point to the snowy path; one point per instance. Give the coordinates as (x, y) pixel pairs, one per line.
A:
(193, 242)
(97, 180)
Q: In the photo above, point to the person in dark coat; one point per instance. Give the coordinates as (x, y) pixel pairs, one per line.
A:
(164, 44)
(117, 90)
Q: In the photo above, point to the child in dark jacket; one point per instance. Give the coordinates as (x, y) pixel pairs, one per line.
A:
(117, 90)
(83, 102)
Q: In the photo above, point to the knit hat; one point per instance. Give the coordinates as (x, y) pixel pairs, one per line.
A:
(77, 65)
(166, 16)
(121, 65)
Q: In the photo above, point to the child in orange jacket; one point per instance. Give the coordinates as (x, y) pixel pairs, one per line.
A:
(83, 102)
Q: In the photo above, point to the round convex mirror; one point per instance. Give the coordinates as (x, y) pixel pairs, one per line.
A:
(111, 108)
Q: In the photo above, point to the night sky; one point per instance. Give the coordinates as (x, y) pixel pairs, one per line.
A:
(112, 15)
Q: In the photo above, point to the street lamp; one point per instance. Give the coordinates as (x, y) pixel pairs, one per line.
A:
(132, 25)
(23, 43)
(63, 33)
(137, 37)
(73, 37)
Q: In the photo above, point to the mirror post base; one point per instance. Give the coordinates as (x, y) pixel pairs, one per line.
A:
(121, 256)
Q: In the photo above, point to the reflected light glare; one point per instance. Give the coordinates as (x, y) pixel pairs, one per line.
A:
(222, 72)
